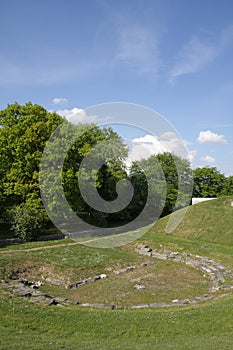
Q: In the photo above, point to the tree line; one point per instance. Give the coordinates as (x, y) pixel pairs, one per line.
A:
(24, 133)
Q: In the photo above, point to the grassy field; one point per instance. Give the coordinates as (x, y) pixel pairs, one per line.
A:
(208, 325)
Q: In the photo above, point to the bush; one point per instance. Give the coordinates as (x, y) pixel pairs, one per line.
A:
(26, 221)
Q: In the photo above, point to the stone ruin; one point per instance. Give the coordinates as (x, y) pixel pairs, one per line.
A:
(210, 268)
(214, 270)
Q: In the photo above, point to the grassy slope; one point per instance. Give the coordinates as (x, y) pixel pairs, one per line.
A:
(210, 221)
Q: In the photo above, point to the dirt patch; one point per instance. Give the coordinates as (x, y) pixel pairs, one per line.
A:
(30, 271)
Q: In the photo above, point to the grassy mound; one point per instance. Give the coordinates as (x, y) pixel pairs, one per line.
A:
(210, 221)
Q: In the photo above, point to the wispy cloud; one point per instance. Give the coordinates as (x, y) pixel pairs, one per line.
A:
(138, 47)
(193, 57)
(197, 54)
(211, 137)
(60, 101)
(20, 74)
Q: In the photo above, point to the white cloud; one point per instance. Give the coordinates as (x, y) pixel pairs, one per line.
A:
(191, 156)
(211, 137)
(168, 135)
(208, 159)
(78, 115)
(60, 100)
(144, 147)
(196, 55)
(138, 47)
(174, 144)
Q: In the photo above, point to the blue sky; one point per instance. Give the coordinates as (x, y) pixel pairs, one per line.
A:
(175, 57)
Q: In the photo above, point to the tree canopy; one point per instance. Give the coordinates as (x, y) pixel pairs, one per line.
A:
(87, 155)
(208, 182)
(24, 132)
(164, 176)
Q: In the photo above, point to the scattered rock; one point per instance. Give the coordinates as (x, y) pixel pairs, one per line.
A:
(32, 284)
(143, 306)
(60, 300)
(147, 263)
(85, 281)
(37, 284)
(159, 255)
(96, 278)
(55, 281)
(215, 271)
(127, 269)
(139, 286)
(145, 250)
(43, 299)
(100, 306)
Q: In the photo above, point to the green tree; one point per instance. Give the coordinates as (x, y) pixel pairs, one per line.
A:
(228, 187)
(164, 176)
(99, 153)
(23, 133)
(208, 182)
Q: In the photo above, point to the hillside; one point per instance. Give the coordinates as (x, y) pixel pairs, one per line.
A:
(210, 221)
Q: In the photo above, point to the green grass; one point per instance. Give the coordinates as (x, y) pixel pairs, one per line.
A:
(31, 326)
(163, 281)
(210, 221)
(208, 325)
(26, 326)
(31, 245)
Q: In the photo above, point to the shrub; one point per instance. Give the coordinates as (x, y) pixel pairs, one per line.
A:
(26, 221)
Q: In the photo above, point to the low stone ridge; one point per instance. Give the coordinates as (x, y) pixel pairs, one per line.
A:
(33, 284)
(97, 305)
(147, 263)
(102, 276)
(127, 269)
(86, 280)
(25, 289)
(214, 270)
